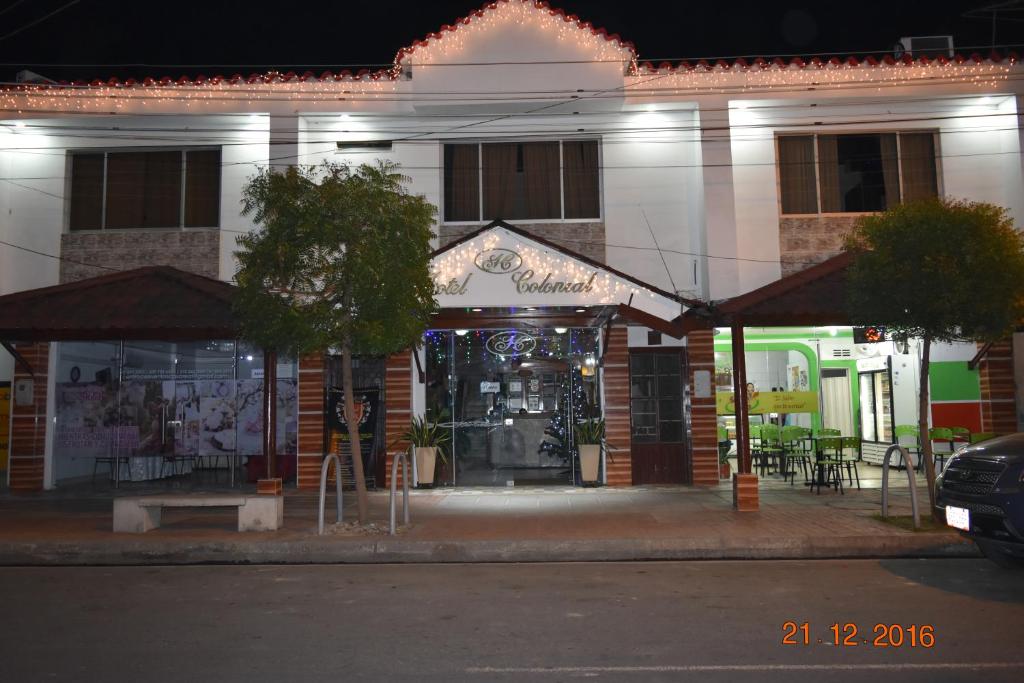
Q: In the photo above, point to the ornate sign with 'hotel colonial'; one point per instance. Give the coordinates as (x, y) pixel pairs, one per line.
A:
(502, 269)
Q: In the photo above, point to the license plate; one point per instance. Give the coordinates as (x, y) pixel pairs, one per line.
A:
(958, 518)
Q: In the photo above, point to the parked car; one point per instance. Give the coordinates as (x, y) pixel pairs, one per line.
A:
(981, 492)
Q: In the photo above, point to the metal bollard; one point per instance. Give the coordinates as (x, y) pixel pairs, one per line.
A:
(405, 489)
(910, 479)
(323, 488)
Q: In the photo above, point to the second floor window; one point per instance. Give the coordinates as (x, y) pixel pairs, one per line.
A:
(158, 189)
(521, 181)
(855, 173)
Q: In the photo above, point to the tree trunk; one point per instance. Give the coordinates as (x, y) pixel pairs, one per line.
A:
(922, 425)
(353, 432)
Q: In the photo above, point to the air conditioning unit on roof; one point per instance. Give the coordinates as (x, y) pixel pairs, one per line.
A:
(924, 46)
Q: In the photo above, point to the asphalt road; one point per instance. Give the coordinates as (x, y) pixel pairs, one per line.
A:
(707, 621)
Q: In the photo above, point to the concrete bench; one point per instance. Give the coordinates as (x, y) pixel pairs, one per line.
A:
(138, 514)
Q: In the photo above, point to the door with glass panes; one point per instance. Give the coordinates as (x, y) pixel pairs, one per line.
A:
(657, 425)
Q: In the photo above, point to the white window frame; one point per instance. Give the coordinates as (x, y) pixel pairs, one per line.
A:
(561, 180)
(106, 152)
(817, 180)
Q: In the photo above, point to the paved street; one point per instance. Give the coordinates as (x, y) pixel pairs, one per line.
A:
(708, 621)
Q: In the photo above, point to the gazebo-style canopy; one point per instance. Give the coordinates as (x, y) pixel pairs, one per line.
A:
(155, 302)
(814, 296)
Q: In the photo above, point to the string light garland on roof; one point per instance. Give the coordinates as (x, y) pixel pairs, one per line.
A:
(452, 39)
(225, 94)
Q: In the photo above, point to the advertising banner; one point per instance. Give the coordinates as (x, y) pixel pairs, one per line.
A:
(770, 402)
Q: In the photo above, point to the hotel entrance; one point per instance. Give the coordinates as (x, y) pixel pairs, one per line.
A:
(509, 398)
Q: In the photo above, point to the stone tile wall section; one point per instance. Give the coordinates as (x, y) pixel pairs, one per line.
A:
(195, 251)
(583, 238)
(807, 240)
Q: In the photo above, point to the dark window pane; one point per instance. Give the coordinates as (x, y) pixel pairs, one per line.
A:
(521, 181)
(797, 181)
(581, 178)
(641, 406)
(202, 189)
(860, 174)
(461, 182)
(669, 386)
(642, 386)
(86, 192)
(670, 431)
(143, 189)
(668, 364)
(671, 409)
(641, 363)
(917, 160)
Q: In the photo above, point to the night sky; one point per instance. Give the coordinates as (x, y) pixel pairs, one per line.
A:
(224, 37)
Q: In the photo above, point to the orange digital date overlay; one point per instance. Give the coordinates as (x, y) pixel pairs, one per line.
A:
(849, 635)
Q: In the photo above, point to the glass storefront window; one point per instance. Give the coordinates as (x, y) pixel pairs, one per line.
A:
(149, 400)
(509, 398)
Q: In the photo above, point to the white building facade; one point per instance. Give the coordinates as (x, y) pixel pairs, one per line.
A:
(686, 182)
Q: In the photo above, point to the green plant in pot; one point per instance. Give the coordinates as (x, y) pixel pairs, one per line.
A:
(427, 439)
(589, 437)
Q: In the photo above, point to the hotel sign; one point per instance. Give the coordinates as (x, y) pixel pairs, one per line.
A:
(526, 280)
(502, 268)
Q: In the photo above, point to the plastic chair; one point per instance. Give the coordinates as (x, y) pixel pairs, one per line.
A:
(977, 437)
(942, 434)
(794, 450)
(909, 436)
(851, 443)
(771, 447)
(829, 464)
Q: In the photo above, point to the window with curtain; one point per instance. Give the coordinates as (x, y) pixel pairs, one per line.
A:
(152, 189)
(855, 173)
(544, 180)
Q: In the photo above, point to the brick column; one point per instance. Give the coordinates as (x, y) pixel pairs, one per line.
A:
(28, 423)
(397, 408)
(311, 422)
(619, 463)
(700, 356)
(998, 402)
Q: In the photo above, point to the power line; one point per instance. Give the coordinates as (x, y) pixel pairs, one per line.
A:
(59, 258)
(39, 20)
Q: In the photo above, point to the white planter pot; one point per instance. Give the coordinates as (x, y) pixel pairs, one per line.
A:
(590, 461)
(425, 458)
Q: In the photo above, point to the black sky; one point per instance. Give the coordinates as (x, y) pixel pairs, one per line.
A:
(294, 35)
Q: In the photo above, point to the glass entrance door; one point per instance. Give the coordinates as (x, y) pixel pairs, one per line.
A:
(509, 398)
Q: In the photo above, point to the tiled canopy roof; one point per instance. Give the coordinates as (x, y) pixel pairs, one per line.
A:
(156, 302)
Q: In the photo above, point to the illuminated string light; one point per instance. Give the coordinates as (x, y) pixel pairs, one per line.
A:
(220, 95)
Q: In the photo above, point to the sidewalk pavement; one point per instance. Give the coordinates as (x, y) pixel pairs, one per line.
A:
(558, 524)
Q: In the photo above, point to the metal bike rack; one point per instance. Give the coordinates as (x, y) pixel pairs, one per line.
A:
(323, 488)
(399, 457)
(909, 466)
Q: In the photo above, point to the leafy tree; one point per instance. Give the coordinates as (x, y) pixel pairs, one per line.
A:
(942, 270)
(340, 260)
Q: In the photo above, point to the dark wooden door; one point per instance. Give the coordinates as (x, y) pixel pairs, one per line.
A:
(657, 427)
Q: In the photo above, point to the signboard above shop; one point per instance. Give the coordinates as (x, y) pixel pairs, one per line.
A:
(769, 402)
(501, 267)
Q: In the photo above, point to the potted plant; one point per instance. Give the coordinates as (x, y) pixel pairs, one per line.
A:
(724, 470)
(426, 438)
(589, 435)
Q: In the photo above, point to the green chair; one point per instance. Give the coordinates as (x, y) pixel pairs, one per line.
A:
(909, 436)
(828, 431)
(754, 436)
(978, 437)
(829, 463)
(942, 435)
(851, 452)
(795, 450)
(771, 448)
